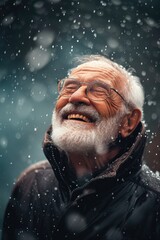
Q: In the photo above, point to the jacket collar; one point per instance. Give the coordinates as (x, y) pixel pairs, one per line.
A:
(127, 164)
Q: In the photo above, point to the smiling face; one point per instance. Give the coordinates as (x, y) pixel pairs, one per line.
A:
(87, 73)
(80, 123)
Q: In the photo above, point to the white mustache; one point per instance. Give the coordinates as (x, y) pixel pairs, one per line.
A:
(82, 109)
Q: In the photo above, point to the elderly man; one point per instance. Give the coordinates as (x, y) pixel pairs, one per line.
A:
(94, 185)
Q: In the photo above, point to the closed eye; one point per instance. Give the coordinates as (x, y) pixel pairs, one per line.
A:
(70, 88)
(99, 91)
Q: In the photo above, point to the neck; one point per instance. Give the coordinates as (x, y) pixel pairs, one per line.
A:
(87, 164)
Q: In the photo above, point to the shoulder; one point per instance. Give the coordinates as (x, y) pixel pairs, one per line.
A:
(31, 201)
(150, 180)
(36, 178)
(35, 168)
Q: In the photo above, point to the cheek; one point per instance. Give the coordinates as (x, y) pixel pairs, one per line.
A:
(61, 102)
(107, 109)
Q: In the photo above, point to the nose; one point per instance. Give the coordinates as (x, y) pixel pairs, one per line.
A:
(79, 96)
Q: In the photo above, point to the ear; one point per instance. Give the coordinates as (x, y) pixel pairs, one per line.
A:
(130, 122)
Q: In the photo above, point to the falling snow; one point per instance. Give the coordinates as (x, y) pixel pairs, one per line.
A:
(39, 40)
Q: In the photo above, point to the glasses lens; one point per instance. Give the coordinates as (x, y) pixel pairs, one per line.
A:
(98, 92)
(67, 86)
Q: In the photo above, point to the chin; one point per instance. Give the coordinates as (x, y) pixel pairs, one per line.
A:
(72, 136)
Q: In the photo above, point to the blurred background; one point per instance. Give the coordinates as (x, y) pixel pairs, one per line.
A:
(38, 39)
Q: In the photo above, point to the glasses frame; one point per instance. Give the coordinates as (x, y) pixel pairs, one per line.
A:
(81, 83)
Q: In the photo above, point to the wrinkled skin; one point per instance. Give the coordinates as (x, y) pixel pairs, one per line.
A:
(106, 108)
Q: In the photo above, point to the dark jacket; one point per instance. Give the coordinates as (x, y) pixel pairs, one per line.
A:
(122, 202)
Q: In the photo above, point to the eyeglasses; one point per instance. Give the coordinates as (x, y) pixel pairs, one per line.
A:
(96, 90)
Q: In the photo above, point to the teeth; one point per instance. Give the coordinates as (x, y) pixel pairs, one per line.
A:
(78, 116)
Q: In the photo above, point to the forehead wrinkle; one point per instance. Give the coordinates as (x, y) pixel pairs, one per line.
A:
(108, 74)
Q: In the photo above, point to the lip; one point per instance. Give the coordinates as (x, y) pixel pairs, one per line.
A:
(78, 116)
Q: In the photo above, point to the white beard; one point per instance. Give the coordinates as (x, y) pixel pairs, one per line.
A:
(79, 138)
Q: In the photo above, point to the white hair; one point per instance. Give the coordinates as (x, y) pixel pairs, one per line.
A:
(133, 91)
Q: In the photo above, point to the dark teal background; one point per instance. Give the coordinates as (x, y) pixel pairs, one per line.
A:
(38, 40)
